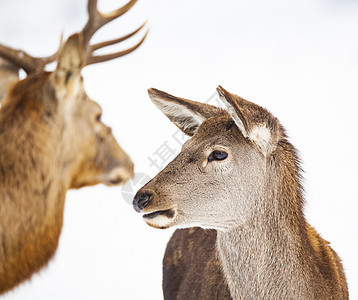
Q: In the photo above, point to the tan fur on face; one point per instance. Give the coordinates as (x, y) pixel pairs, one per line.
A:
(191, 167)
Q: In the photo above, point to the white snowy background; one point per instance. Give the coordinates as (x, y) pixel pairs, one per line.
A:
(298, 58)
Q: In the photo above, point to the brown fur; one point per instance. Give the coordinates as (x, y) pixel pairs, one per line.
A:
(191, 269)
(51, 140)
(41, 158)
(253, 198)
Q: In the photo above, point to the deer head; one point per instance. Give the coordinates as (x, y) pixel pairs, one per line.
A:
(86, 147)
(222, 173)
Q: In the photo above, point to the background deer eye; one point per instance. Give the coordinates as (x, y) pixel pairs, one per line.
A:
(217, 155)
(98, 117)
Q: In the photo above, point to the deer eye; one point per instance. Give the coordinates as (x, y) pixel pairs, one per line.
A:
(217, 155)
(98, 117)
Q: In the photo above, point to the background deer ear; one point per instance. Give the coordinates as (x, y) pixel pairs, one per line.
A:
(70, 59)
(254, 121)
(186, 114)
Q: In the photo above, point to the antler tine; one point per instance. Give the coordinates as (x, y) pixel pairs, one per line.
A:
(120, 11)
(25, 61)
(101, 58)
(115, 41)
(96, 19)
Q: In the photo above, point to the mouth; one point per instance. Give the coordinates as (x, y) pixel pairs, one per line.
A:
(160, 219)
(116, 181)
(169, 213)
(118, 176)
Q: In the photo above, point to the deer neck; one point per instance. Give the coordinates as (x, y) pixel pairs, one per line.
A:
(269, 251)
(255, 261)
(32, 199)
(32, 195)
(36, 172)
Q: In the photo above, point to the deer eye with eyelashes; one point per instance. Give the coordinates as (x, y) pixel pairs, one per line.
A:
(217, 155)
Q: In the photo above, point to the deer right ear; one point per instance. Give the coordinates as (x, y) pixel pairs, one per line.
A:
(70, 60)
(254, 121)
(187, 115)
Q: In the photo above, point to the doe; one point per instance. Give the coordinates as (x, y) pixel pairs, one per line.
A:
(240, 176)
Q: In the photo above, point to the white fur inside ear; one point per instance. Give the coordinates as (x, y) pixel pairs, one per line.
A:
(179, 114)
(234, 116)
(261, 136)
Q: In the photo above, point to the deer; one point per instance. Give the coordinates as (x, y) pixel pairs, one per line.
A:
(235, 193)
(52, 139)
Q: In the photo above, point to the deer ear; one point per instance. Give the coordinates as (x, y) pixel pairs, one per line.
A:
(70, 59)
(185, 114)
(254, 121)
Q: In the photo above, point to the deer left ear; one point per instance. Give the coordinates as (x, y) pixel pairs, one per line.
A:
(187, 115)
(254, 121)
(70, 60)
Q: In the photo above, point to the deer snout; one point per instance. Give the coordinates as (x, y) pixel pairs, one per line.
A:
(141, 200)
(128, 166)
(156, 213)
(119, 172)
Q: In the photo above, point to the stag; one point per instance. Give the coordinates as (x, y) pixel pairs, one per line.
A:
(238, 176)
(52, 139)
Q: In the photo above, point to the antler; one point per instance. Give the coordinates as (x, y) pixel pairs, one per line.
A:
(90, 59)
(96, 20)
(25, 61)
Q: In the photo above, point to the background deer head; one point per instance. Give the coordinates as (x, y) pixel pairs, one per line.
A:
(86, 146)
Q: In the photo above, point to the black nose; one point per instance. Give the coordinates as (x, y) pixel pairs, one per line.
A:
(141, 200)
